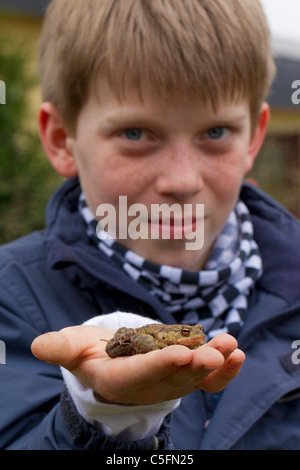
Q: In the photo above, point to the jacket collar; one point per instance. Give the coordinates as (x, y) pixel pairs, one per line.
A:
(275, 230)
(277, 233)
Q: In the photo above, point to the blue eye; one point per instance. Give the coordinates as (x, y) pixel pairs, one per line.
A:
(216, 133)
(133, 134)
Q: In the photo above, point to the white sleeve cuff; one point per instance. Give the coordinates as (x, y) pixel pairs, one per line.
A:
(127, 423)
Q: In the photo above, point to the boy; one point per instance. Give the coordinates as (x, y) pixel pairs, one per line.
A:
(161, 102)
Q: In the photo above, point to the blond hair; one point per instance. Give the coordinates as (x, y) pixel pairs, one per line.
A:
(218, 49)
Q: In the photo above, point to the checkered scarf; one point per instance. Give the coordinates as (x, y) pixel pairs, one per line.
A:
(217, 297)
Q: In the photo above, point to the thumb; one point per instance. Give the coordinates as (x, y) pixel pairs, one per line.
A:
(66, 346)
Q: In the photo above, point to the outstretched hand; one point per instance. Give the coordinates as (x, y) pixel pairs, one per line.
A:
(142, 379)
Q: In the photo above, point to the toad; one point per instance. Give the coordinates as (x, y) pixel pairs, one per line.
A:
(130, 341)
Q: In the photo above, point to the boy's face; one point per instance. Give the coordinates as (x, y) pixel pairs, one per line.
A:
(155, 152)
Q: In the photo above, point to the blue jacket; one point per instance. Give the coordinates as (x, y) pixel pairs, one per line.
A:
(55, 278)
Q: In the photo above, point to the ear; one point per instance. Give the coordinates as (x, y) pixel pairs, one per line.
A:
(258, 136)
(55, 140)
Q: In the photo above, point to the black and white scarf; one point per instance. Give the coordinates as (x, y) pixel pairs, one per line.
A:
(217, 296)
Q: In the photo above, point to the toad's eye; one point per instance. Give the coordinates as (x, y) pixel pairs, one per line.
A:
(185, 331)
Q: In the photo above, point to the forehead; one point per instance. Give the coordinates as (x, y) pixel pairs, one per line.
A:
(150, 103)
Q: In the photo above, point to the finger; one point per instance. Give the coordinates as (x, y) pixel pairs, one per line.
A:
(138, 379)
(224, 343)
(69, 344)
(145, 369)
(219, 379)
(157, 376)
(205, 360)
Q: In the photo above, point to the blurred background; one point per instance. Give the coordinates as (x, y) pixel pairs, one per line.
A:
(26, 178)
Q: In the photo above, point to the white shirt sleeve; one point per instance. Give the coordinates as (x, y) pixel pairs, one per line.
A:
(127, 423)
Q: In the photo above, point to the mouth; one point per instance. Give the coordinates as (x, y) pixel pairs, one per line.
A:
(175, 228)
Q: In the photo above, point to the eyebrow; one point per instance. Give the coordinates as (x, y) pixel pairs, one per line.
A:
(127, 118)
(229, 116)
(227, 121)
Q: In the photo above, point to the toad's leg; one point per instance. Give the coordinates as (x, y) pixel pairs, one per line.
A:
(120, 344)
(143, 343)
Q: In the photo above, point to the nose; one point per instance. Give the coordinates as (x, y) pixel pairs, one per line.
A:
(180, 174)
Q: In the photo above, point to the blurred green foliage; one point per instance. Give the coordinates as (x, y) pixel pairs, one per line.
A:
(26, 177)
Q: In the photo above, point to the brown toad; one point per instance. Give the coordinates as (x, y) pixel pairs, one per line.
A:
(130, 341)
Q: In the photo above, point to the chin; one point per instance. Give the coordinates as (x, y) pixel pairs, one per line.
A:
(176, 256)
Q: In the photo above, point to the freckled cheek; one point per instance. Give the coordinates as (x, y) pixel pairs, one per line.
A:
(99, 178)
(117, 179)
(225, 179)
(108, 175)
(226, 188)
